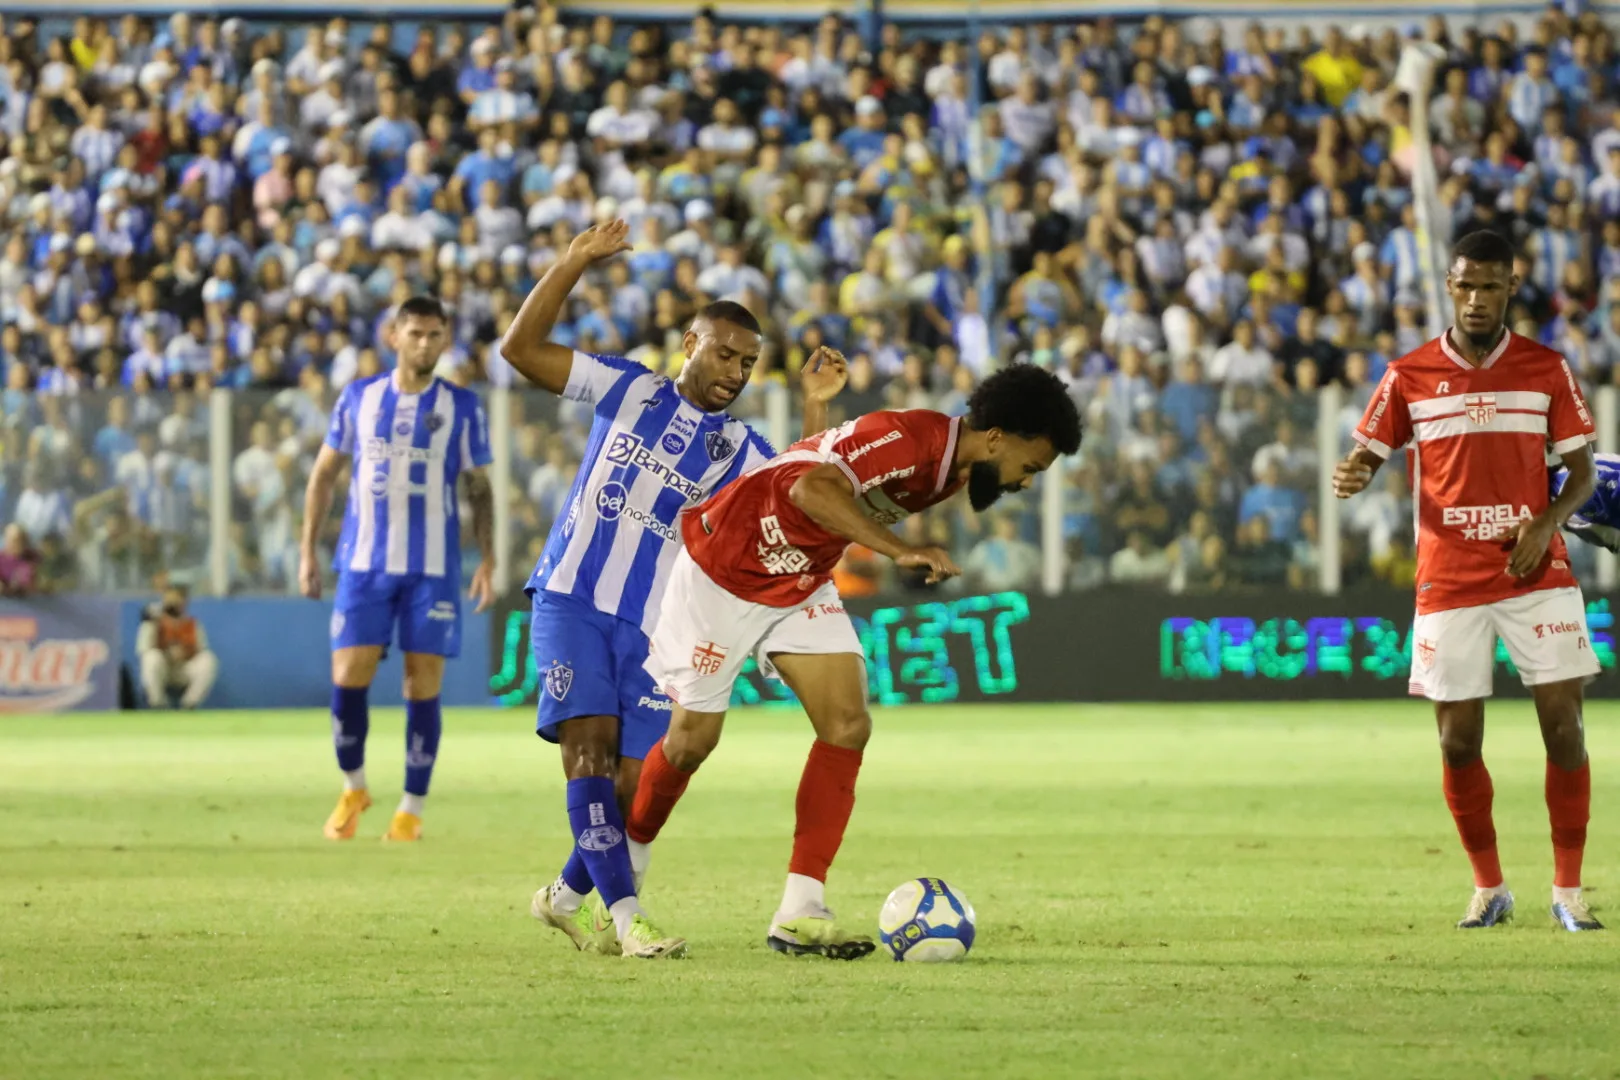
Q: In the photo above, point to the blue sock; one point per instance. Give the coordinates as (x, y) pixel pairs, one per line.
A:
(575, 874)
(593, 812)
(350, 722)
(422, 728)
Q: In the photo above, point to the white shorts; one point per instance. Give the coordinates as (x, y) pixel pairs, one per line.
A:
(705, 634)
(1454, 652)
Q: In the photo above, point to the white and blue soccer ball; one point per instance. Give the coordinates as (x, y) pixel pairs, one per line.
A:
(926, 921)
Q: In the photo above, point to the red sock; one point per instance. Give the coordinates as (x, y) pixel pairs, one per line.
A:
(660, 788)
(1569, 804)
(1468, 793)
(826, 799)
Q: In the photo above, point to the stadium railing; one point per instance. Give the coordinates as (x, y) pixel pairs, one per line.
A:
(121, 491)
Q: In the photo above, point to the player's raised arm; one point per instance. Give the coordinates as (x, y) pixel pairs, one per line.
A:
(525, 345)
(317, 501)
(826, 496)
(824, 375)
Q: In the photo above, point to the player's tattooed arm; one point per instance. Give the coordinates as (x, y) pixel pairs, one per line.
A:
(1352, 475)
(482, 498)
(317, 501)
(825, 495)
(824, 375)
(526, 346)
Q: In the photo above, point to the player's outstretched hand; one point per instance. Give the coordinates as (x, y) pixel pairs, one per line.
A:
(309, 577)
(936, 560)
(601, 241)
(1350, 477)
(824, 375)
(482, 589)
(1531, 546)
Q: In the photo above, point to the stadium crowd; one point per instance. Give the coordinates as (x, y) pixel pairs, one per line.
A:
(1196, 231)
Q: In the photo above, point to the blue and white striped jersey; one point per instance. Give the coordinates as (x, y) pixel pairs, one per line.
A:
(651, 454)
(408, 450)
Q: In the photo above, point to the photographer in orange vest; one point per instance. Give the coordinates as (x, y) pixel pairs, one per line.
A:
(173, 648)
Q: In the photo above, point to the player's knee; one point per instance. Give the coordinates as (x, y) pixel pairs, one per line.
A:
(1460, 746)
(848, 727)
(689, 744)
(590, 747)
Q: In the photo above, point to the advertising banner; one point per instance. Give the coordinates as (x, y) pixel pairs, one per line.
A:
(1106, 646)
(58, 653)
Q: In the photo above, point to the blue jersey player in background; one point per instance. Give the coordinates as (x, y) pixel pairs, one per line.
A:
(398, 563)
(1598, 521)
(657, 446)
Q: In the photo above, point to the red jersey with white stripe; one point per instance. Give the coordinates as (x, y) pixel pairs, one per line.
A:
(751, 539)
(1478, 456)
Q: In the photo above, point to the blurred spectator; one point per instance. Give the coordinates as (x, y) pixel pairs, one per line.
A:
(1002, 560)
(19, 563)
(174, 654)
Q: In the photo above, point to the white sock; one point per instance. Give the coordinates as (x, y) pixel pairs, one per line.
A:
(1495, 890)
(354, 779)
(802, 893)
(640, 856)
(623, 911)
(563, 899)
(1564, 896)
(411, 804)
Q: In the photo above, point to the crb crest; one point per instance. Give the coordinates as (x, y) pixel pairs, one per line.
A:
(1481, 408)
(718, 446)
(559, 678)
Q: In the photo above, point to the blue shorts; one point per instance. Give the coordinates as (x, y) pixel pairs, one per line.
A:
(427, 609)
(591, 664)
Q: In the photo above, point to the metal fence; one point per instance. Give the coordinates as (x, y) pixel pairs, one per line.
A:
(122, 491)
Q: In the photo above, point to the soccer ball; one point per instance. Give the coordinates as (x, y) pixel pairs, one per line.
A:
(925, 921)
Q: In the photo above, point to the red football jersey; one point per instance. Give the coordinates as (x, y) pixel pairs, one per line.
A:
(1478, 439)
(755, 543)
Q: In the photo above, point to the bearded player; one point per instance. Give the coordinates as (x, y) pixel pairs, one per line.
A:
(755, 579)
(657, 446)
(1479, 405)
(411, 435)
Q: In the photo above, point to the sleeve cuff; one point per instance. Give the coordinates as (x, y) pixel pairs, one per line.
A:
(1381, 449)
(843, 466)
(1574, 442)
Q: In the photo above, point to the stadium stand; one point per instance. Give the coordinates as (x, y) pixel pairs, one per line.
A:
(1196, 231)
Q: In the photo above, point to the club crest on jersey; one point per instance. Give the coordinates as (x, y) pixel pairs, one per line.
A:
(1481, 408)
(707, 657)
(434, 421)
(559, 677)
(718, 445)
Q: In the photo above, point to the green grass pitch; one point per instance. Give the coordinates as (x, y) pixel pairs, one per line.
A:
(1255, 891)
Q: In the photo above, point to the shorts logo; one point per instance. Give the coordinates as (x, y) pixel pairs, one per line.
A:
(655, 704)
(707, 658)
(673, 443)
(1481, 408)
(600, 838)
(443, 611)
(338, 622)
(718, 446)
(1425, 653)
(1553, 629)
(559, 677)
(611, 499)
